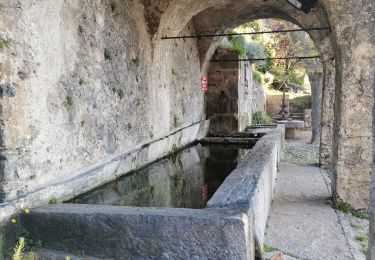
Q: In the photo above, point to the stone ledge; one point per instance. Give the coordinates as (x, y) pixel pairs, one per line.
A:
(250, 186)
(142, 233)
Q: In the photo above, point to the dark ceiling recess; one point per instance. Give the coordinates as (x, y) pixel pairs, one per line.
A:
(304, 5)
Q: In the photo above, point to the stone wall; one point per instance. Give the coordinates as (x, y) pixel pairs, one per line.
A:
(222, 97)
(78, 90)
(259, 96)
(233, 95)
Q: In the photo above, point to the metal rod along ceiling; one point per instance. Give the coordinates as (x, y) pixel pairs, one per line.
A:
(263, 59)
(248, 33)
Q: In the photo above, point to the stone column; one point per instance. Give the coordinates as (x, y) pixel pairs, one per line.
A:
(327, 116)
(316, 79)
(371, 247)
(352, 149)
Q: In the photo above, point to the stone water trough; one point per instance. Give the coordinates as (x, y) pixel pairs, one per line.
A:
(232, 225)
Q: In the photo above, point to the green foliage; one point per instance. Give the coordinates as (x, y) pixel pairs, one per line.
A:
(236, 45)
(268, 65)
(257, 76)
(255, 50)
(80, 253)
(260, 118)
(53, 201)
(2, 246)
(82, 123)
(81, 82)
(107, 54)
(4, 43)
(176, 121)
(299, 104)
(80, 29)
(19, 248)
(361, 238)
(68, 101)
(355, 225)
(119, 92)
(268, 248)
(136, 61)
(349, 209)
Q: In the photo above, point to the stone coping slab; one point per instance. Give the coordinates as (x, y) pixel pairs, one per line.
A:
(141, 233)
(292, 123)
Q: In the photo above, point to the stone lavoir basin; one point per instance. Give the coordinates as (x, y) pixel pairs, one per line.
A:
(210, 200)
(185, 179)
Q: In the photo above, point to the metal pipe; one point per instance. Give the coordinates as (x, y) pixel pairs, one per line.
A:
(249, 33)
(280, 58)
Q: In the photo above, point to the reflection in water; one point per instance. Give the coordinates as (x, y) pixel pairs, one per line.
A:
(186, 179)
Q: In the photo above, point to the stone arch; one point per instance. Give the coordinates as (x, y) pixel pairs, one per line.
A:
(350, 170)
(208, 16)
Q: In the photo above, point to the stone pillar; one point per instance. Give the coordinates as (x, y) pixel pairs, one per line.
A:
(352, 150)
(371, 247)
(316, 79)
(327, 118)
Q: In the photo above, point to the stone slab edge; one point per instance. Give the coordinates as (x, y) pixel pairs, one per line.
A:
(107, 170)
(250, 187)
(142, 233)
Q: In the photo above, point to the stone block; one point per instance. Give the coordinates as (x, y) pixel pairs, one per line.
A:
(142, 233)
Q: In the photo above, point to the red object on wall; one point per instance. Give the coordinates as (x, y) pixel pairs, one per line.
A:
(204, 80)
(204, 194)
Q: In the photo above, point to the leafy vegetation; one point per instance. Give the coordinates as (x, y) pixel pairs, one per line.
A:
(262, 46)
(4, 43)
(260, 118)
(107, 54)
(2, 246)
(299, 104)
(355, 225)
(136, 61)
(80, 29)
(53, 201)
(176, 121)
(349, 209)
(18, 250)
(257, 75)
(68, 101)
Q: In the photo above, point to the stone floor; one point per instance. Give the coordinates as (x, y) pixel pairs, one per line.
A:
(302, 223)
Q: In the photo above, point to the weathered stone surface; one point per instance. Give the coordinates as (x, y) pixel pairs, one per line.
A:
(140, 233)
(52, 126)
(301, 222)
(105, 171)
(328, 101)
(307, 118)
(232, 96)
(231, 227)
(251, 185)
(352, 26)
(82, 90)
